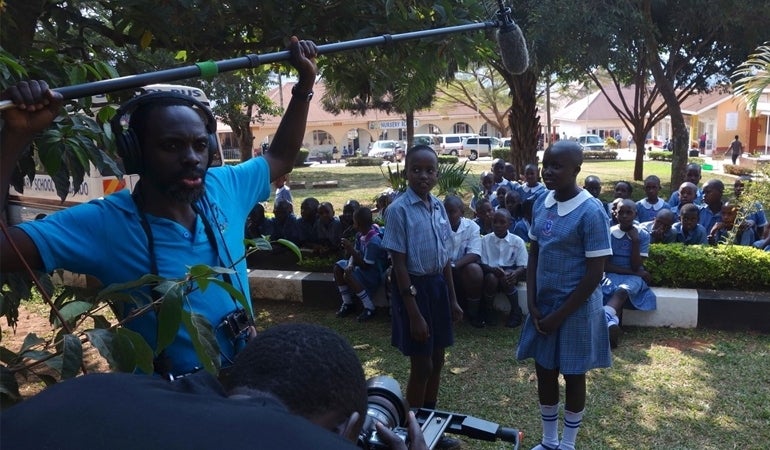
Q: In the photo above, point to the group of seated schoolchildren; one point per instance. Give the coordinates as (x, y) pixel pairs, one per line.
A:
(692, 216)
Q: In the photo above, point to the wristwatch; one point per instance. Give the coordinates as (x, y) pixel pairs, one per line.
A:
(411, 290)
(306, 96)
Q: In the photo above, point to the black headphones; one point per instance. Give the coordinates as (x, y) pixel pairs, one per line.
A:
(127, 142)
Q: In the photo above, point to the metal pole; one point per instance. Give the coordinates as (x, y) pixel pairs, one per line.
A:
(211, 68)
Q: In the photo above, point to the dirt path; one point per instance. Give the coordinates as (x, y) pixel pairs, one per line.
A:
(33, 319)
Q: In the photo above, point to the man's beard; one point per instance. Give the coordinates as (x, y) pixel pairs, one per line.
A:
(186, 195)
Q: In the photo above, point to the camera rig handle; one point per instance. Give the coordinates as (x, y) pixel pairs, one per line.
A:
(435, 423)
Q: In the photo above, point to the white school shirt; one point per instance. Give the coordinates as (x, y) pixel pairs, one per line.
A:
(467, 239)
(506, 252)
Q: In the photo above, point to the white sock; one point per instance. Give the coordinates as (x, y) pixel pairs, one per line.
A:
(368, 304)
(610, 310)
(549, 416)
(572, 421)
(345, 294)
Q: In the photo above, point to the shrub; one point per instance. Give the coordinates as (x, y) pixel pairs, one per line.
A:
(736, 170)
(501, 153)
(660, 155)
(360, 161)
(731, 267)
(299, 161)
(600, 154)
(448, 159)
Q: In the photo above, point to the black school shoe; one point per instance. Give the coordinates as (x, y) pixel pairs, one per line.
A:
(366, 315)
(345, 310)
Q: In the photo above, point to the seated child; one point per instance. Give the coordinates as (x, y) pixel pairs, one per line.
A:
(306, 222)
(364, 272)
(686, 195)
(346, 218)
(692, 175)
(521, 229)
(498, 176)
(661, 229)
(688, 230)
(504, 262)
(509, 173)
(498, 201)
(464, 249)
(284, 223)
(622, 191)
(256, 224)
(647, 208)
(484, 212)
(381, 204)
(625, 279)
(725, 230)
(593, 185)
(513, 205)
(282, 191)
(484, 190)
(531, 187)
(711, 209)
(328, 230)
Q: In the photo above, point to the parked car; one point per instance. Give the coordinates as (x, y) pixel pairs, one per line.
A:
(451, 144)
(476, 146)
(591, 142)
(506, 142)
(385, 150)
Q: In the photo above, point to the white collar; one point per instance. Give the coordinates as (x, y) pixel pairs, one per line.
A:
(648, 205)
(618, 233)
(564, 208)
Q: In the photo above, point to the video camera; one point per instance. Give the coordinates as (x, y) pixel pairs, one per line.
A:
(387, 406)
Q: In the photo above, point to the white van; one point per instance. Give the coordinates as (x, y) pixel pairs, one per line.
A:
(476, 146)
(426, 139)
(40, 195)
(451, 144)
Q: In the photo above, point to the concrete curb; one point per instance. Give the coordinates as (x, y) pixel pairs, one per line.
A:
(677, 308)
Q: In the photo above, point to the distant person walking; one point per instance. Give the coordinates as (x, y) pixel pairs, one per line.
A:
(702, 143)
(736, 148)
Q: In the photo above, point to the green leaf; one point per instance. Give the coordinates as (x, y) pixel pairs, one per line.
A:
(9, 387)
(101, 322)
(291, 246)
(235, 293)
(169, 319)
(113, 348)
(258, 244)
(72, 311)
(143, 354)
(31, 340)
(145, 280)
(72, 356)
(203, 339)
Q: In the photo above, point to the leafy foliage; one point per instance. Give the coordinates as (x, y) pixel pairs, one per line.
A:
(73, 310)
(708, 267)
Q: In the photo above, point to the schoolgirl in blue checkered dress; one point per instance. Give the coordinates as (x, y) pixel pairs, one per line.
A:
(566, 330)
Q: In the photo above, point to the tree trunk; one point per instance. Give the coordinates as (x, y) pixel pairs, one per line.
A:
(245, 144)
(523, 120)
(18, 24)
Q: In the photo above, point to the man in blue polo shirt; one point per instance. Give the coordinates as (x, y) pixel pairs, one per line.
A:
(180, 214)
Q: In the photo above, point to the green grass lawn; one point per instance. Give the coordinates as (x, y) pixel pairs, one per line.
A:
(667, 389)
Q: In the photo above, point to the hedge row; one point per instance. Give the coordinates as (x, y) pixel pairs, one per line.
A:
(731, 267)
(603, 154)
